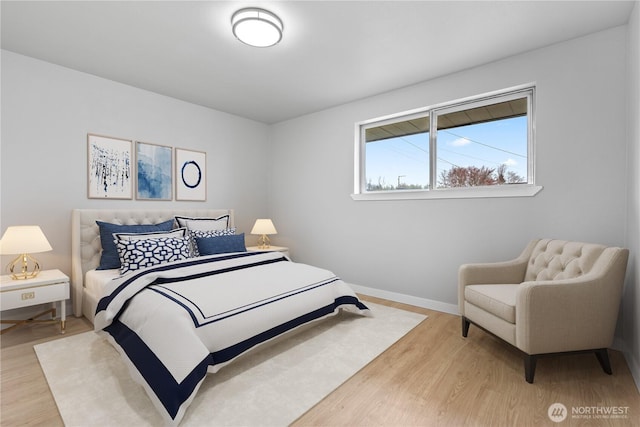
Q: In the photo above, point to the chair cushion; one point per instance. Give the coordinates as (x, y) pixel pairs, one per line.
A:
(499, 300)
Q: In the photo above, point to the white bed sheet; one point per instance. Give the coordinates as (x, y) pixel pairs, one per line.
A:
(96, 280)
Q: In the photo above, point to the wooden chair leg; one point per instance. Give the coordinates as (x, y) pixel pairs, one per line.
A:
(465, 326)
(530, 367)
(603, 357)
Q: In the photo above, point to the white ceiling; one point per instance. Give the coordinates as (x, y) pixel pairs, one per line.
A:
(332, 52)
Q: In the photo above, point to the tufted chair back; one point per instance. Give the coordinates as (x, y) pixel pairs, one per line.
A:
(559, 259)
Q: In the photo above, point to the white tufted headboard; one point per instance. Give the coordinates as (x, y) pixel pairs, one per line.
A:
(85, 237)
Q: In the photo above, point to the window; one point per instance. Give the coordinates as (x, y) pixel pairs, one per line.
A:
(397, 154)
(482, 146)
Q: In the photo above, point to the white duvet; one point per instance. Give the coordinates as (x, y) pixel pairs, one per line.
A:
(175, 322)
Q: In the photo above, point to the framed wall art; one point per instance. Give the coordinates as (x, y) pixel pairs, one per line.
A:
(191, 175)
(154, 169)
(109, 166)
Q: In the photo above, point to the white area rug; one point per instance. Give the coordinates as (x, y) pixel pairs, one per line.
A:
(272, 386)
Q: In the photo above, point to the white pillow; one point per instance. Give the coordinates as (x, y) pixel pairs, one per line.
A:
(203, 224)
(178, 232)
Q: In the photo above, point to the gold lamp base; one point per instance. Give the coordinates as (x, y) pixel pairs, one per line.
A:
(23, 262)
(264, 242)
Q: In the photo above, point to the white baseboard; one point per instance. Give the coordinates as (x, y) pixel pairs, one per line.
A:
(407, 299)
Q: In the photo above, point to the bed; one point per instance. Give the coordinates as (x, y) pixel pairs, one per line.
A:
(175, 321)
(86, 247)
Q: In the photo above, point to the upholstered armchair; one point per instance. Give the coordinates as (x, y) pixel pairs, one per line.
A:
(556, 297)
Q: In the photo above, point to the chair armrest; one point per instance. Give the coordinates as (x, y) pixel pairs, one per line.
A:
(572, 314)
(505, 272)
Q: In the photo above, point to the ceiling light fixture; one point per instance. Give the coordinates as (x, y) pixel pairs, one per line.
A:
(257, 27)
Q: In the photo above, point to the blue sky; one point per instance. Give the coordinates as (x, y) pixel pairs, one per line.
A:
(486, 144)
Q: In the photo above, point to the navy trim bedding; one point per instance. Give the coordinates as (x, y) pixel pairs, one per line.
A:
(176, 322)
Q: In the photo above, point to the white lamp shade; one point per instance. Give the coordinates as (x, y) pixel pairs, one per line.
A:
(24, 239)
(263, 226)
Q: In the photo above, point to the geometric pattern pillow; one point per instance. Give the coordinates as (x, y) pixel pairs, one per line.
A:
(198, 234)
(137, 254)
(109, 258)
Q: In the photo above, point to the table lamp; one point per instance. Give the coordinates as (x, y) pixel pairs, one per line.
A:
(23, 240)
(263, 227)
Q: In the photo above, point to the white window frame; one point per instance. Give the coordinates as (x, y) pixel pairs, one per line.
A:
(527, 189)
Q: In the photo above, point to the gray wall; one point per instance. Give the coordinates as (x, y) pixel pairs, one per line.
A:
(47, 112)
(415, 247)
(411, 250)
(631, 299)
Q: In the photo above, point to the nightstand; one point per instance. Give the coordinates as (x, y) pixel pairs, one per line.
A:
(49, 286)
(271, 248)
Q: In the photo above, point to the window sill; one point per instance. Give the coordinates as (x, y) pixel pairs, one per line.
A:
(518, 190)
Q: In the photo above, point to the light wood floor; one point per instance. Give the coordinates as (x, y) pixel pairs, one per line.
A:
(431, 377)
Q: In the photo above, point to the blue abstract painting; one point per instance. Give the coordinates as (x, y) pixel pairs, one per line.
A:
(154, 171)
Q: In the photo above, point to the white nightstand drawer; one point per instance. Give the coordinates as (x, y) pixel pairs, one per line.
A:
(34, 295)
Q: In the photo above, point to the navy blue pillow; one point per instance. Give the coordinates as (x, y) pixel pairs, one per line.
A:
(221, 244)
(109, 258)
